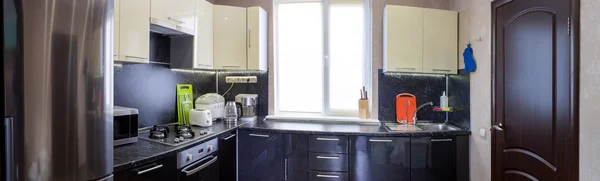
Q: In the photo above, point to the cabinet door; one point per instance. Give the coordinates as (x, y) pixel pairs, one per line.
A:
(260, 156)
(177, 12)
(134, 26)
(433, 159)
(204, 35)
(440, 39)
(227, 157)
(296, 157)
(230, 34)
(160, 170)
(380, 158)
(257, 38)
(403, 39)
(116, 20)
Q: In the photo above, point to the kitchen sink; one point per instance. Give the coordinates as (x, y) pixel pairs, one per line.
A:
(395, 127)
(436, 127)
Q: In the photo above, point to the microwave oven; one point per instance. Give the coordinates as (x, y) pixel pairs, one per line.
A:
(125, 125)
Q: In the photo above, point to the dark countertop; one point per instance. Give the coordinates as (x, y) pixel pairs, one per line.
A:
(143, 152)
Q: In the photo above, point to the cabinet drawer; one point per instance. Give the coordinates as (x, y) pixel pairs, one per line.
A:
(328, 161)
(328, 144)
(327, 176)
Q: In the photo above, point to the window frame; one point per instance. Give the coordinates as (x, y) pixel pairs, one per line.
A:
(367, 59)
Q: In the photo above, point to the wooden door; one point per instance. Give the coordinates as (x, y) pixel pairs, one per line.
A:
(402, 39)
(534, 92)
(230, 35)
(440, 34)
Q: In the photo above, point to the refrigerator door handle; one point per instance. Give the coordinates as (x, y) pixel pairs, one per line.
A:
(9, 148)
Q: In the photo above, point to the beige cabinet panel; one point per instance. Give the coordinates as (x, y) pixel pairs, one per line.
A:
(440, 41)
(116, 18)
(403, 39)
(134, 31)
(230, 35)
(257, 38)
(177, 12)
(204, 35)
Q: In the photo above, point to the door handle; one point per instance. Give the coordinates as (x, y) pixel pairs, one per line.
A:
(378, 140)
(442, 70)
(259, 135)
(329, 157)
(328, 139)
(229, 137)
(139, 172)
(327, 176)
(498, 127)
(9, 151)
(127, 56)
(249, 38)
(176, 20)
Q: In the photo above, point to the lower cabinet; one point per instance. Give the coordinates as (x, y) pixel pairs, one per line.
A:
(380, 158)
(439, 158)
(296, 157)
(160, 170)
(227, 156)
(260, 156)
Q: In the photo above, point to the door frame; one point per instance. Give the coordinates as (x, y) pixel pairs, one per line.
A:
(573, 145)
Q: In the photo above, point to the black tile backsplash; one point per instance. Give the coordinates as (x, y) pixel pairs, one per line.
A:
(426, 88)
(151, 89)
(459, 99)
(261, 88)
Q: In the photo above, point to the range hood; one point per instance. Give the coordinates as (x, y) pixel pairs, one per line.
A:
(167, 28)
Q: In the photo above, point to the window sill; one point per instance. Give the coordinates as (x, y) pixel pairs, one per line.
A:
(321, 118)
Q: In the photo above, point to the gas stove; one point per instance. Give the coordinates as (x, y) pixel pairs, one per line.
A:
(174, 135)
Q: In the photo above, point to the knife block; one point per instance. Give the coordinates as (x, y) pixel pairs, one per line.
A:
(363, 109)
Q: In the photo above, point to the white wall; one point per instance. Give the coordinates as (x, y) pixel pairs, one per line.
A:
(589, 121)
(474, 22)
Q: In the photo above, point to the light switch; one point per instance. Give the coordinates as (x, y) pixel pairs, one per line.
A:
(482, 133)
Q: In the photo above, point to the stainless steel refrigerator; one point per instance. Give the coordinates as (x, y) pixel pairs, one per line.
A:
(58, 90)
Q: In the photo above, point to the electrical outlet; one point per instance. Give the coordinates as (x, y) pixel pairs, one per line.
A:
(241, 79)
(482, 133)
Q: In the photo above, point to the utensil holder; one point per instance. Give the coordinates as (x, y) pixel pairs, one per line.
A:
(363, 109)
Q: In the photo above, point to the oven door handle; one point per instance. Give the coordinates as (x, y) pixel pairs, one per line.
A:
(192, 169)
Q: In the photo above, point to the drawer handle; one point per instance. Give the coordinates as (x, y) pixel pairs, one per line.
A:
(150, 169)
(328, 139)
(176, 20)
(229, 137)
(329, 157)
(440, 140)
(127, 56)
(442, 70)
(377, 140)
(328, 176)
(259, 135)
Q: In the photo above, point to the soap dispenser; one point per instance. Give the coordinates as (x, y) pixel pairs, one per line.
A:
(444, 100)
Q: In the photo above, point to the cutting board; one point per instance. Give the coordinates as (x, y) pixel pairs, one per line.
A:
(406, 104)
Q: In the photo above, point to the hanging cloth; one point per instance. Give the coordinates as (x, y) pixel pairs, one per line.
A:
(468, 59)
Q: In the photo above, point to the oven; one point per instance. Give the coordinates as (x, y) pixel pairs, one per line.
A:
(199, 163)
(125, 125)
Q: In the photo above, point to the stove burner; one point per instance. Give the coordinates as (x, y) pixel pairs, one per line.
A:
(183, 128)
(160, 128)
(185, 134)
(157, 135)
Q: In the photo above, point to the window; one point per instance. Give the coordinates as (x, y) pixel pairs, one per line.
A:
(322, 56)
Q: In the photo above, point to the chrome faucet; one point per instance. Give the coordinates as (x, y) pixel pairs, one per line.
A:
(419, 108)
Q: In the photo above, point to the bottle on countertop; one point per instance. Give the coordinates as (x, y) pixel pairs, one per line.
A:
(444, 100)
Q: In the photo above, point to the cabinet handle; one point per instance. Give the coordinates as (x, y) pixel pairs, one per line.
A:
(406, 69)
(441, 140)
(378, 140)
(328, 139)
(329, 157)
(285, 168)
(127, 56)
(328, 176)
(176, 20)
(203, 65)
(259, 135)
(229, 137)
(234, 66)
(249, 38)
(149, 169)
(442, 70)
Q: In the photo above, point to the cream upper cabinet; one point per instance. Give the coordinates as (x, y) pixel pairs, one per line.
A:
(134, 31)
(257, 38)
(230, 35)
(402, 39)
(440, 37)
(204, 35)
(181, 13)
(116, 21)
